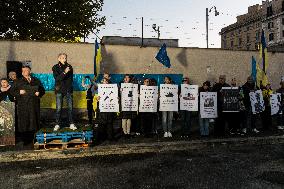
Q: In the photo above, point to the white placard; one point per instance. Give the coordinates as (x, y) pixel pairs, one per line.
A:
(208, 105)
(257, 102)
(275, 102)
(148, 98)
(189, 97)
(129, 97)
(168, 97)
(108, 94)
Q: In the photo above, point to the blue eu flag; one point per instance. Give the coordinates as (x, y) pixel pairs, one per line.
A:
(162, 56)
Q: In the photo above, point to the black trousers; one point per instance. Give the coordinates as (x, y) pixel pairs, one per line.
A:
(90, 109)
(146, 122)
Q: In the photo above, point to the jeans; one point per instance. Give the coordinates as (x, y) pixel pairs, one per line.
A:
(167, 121)
(59, 102)
(204, 126)
(186, 125)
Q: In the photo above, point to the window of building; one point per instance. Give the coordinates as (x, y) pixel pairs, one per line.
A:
(282, 21)
(240, 41)
(240, 30)
(283, 33)
(248, 39)
(269, 11)
(225, 44)
(232, 43)
(270, 25)
(282, 5)
(271, 37)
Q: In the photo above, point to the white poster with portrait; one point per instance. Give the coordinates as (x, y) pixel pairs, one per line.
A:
(168, 97)
(189, 97)
(275, 103)
(108, 94)
(257, 102)
(208, 105)
(129, 97)
(148, 98)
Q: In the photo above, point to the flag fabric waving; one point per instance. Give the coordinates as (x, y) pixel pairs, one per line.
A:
(263, 52)
(97, 58)
(253, 68)
(162, 56)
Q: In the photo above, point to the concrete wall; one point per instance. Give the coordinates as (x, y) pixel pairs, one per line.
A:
(198, 64)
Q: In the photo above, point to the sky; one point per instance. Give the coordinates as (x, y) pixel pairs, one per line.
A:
(178, 19)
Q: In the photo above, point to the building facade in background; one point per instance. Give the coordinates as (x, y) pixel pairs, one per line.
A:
(245, 34)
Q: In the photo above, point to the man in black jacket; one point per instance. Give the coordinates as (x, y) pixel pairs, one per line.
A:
(63, 75)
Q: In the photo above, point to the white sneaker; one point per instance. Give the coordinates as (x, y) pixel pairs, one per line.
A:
(170, 134)
(166, 134)
(255, 131)
(244, 130)
(72, 126)
(56, 128)
(280, 127)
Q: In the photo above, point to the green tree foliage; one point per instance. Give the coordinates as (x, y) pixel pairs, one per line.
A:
(49, 20)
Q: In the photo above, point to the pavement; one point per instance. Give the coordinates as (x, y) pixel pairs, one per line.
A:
(160, 146)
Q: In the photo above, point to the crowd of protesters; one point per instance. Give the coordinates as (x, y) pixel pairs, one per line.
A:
(27, 91)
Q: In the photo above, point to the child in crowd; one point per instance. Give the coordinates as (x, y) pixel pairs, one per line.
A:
(204, 122)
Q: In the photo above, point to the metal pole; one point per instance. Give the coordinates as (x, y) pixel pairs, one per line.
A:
(207, 19)
(159, 32)
(142, 42)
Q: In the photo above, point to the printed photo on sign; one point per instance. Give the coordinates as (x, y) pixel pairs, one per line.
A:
(208, 104)
(189, 97)
(230, 99)
(129, 97)
(148, 98)
(257, 103)
(108, 94)
(275, 103)
(168, 97)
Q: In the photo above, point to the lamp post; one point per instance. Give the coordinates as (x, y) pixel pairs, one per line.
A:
(207, 20)
(154, 26)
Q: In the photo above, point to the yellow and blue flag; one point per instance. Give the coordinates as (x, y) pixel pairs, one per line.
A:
(97, 58)
(263, 52)
(253, 68)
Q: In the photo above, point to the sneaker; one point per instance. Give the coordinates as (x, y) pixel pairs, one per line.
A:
(280, 127)
(166, 134)
(255, 131)
(72, 126)
(56, 128)
(244, 130)
(170, 134)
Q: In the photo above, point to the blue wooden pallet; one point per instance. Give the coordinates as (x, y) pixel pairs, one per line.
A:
(85, 136)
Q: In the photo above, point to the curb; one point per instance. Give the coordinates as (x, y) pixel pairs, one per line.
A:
(123, 149)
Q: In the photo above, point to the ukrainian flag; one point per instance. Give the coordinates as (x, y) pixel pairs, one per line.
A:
(262, 73)
(97, 58)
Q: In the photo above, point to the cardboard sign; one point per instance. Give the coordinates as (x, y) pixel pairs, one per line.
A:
(168, 97)
(108, 94)
(275, 103)
(230, 99)
(208, 105)
(129, 97)
(148, 98)
(189, 97)
(257, 102)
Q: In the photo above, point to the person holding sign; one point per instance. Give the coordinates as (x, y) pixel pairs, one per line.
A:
(204, 122)
(106, 118)
(127, 116)
(186, 114)
(280, 116)
(266, 114)
(167, 116)
(248, 87)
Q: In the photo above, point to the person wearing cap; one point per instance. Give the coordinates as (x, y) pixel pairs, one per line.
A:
(185, 116)
(219, 128)
(280, 116)
(28, 90)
